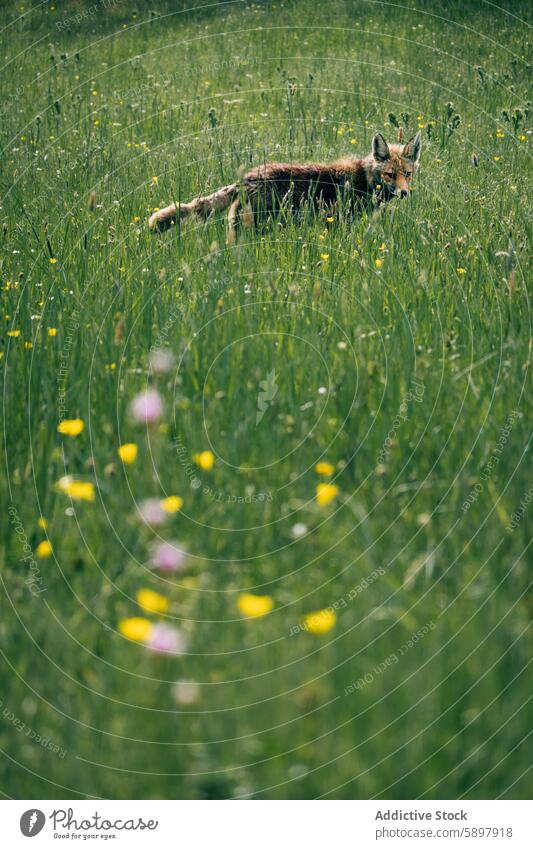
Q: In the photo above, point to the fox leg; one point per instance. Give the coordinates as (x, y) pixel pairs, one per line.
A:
(233, 217)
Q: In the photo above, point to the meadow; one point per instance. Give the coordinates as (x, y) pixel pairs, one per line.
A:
(267, 508)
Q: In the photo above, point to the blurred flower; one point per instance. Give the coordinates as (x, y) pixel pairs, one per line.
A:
(13, 333)
(161, 360)
(152, 602)
(254, 606)
(71, 427)
(128, 452)
(151, 511)
(43, 524)
(326, 492)
(136, 628)
(319, 622)
(172, 504)
(324, 257)
(205, 460)
(147, 406)
(77, 490)
(186, 692)
(166, 639)
(324, 468)
(378, 263)
(168, 557)
(52, 260)
(299, 530)
(44, 549)
(461, 270)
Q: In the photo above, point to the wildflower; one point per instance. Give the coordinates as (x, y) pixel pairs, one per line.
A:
(172, 504)
(151, 512)
(168, 557)
(155, 181)
(152, 602)
(329, 219)
(43, 524)
(254, 606)
(325, 493)
(52, 260)
(324, 468)
(28, 345)
(378, 262)
(136, 628)
(77, 490)
(324, 257)
(165, 639)
(319, 622)
(147, 407)
(161, 360)
(128, 452)
(521, 138)
(71, 427)
(461, 270)
(205, 460)
(299, 530)
(496, 158)
(353, 141)
(186, 692)
(13, 333)
(44, 549)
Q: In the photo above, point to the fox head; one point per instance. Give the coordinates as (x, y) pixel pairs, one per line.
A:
(393, 165)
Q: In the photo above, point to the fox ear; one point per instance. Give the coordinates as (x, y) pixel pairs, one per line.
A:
(411, 150)
(380, 148)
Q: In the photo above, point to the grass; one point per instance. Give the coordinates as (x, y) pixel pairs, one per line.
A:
(399, 344)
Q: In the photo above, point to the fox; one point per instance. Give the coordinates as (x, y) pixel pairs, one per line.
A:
(385, 173)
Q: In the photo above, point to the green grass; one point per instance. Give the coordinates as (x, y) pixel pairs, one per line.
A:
(107, 105)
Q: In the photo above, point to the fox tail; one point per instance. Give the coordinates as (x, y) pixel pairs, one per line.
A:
(202, 207)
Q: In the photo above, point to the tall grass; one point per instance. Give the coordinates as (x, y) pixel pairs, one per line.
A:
(108, 116)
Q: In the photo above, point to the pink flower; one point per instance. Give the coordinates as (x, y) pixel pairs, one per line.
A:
(164, 639)
(151, 512)
(147, 407)
(168, 557)
(161, 360)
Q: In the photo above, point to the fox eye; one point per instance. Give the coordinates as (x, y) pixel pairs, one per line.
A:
(407, 174)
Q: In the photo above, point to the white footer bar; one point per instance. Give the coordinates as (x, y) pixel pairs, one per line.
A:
(267, 824)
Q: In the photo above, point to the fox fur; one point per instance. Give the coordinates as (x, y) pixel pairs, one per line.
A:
(386, 173)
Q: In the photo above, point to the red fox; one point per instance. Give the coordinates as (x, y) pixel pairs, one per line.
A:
(386, 171)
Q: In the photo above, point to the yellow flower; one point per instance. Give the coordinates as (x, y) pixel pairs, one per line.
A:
(254, 606)
(319, 622)
(52, 331)
(52, 260)
(155, 180)
(324, 257)
(128, 452)
(329, 218)
(496, 158)
(378, 263)
(205, 460)
(71, 427)
(28, 345)
(326, 492)
(77, 490)
(521, 138)
(324, 468)
(44, 549)
(171, 504)
(135, 628)
(353, 141)
(152, 602)
(13, 333)
(43, 524)
(461, 270)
